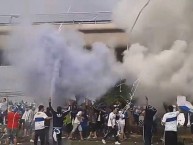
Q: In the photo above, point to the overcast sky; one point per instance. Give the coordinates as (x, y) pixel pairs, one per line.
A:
(54, 6)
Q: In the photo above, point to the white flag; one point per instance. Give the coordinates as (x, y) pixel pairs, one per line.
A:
(184, 104)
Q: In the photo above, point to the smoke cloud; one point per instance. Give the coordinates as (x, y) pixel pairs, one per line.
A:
(161, 47)
(160, 55)
(54, 63)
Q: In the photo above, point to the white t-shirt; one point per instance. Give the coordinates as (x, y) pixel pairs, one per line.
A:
(111, 120)
(77, 119)
(3, 106)
(122, 119)
(28, 115)
(170, 120)
(39, 118)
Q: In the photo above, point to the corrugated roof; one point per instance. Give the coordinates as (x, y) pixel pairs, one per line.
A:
(80, 17)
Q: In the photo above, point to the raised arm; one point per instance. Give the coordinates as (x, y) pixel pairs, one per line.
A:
(67, 111)
(50, 105)
(146, 98)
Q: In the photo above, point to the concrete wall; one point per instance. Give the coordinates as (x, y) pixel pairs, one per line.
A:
(106, 33)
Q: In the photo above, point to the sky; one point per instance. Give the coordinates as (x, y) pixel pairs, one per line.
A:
(54, 6)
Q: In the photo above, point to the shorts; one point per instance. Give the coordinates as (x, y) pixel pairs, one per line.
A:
(121, 128)
(192, 128)
(99, 125)
(76, 126)
(92, 127)
(171, 138)
(12, 132)
(27, 125)
(68, 128)
(32, 127)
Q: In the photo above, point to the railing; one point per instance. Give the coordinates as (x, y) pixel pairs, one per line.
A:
(70, 17)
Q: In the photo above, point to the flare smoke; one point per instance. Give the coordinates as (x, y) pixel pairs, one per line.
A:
(55, 64)
(161, 46)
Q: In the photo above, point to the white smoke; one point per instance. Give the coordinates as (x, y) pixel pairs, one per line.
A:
(160, 23)
(161, 46)
(57, 63)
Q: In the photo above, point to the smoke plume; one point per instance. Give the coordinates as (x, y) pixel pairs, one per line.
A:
(161, 46)
(54, 63)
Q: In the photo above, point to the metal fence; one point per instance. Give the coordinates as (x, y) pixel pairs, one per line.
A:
(71, 17)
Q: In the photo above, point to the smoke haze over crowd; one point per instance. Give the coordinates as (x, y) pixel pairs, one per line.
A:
(160, 54)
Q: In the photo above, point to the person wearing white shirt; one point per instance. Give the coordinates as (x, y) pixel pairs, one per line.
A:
(39, 119)
(77, 125)
(28, 118)
(3, 109)
(170, 122)
(112, 127)
(3, 104)
(121, 125)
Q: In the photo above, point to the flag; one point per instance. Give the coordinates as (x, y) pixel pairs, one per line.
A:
(184, 104)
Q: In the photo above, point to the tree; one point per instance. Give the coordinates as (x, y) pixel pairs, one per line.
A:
(119, 94)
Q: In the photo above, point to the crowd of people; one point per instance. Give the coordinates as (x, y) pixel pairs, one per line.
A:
(83, 122)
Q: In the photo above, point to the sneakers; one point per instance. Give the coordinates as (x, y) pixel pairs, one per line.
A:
(103, 141)
(162, 139)
(31, 140)
(117, 142)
